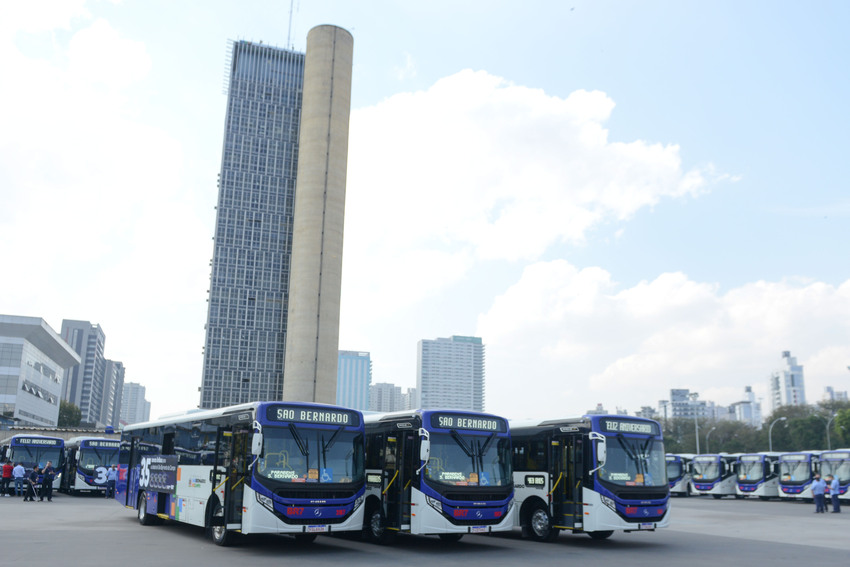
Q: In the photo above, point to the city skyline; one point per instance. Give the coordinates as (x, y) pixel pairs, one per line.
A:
(619, 200)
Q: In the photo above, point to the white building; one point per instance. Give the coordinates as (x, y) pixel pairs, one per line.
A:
(748, 410)
(787, 385)
(33, 359)
(450, 373)
(384, 396)
(134, 407)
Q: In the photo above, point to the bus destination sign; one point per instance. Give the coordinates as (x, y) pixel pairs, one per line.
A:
(304, 414)
(38, 441)
(628, 426)
(468, 422)
(103, 444)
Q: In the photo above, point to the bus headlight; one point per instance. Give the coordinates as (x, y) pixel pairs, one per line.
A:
(609, 503)
(265, 501)
(434, 503)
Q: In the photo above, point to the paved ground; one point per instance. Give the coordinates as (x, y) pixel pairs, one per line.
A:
(91, 532)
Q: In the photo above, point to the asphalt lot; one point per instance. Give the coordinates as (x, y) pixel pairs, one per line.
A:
(89, 531)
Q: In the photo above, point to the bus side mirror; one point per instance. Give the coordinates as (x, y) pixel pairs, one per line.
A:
(257, 445)
(601, 449)
(424, 448)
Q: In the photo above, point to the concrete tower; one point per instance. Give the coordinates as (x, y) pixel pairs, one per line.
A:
(312, 339)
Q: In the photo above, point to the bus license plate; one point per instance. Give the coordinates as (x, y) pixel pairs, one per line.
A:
(647, 526)
(315, 529)
(478, 529)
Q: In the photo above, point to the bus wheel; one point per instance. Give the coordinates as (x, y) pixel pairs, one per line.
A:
(305, 538)
(717, 496)
(601, 535)
(540, 524)
(375, 526)
(144, 518)
(450, 537)
(220, 534)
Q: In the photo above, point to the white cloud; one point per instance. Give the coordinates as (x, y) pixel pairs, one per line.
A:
(561, 340)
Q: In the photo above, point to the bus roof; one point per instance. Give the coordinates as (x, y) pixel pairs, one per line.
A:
(376, 417)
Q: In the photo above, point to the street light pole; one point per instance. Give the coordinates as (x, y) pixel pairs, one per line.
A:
(707, 435)
(770, 432)
(828, 423)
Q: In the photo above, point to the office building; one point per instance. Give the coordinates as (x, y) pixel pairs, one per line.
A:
(787, 385)
(134, 407)
(85, 385)
(410, 399)
(748, 410)
(832, 395)
(450, 373)
(113, 391)
(33, 361)
(385, 397)
(354, 376)
(249, 296)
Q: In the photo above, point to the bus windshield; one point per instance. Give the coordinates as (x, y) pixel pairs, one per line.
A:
(840, 469)
(469, 460)
(300, 454)
(30, 456)
(675, 470)
(794, 472)
(750, 470)
(634, 462)
(706, 470)
(91, 458)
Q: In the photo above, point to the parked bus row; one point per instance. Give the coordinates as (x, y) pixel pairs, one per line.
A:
(763, 475)
(81, 463)
(306, 469)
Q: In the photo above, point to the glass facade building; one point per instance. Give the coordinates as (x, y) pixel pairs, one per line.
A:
(249, 282)
(354, 377)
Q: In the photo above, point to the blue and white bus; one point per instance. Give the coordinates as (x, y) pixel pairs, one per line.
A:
(679, 473)
(758, 475)
(837, 463)
(260, 467)
(714, 474)
(32, 450)
(437, 472)
(796, 473)
(594, 474)
(87, 460)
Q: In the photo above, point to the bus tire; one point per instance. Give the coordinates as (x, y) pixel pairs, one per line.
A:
(717, 496)
(305, 538)
(374, 526)
(539, 523)
(601, 535)
(450, 538)
(220, 534)
(144, 518)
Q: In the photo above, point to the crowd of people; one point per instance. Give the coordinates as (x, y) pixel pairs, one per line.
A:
(27, 484)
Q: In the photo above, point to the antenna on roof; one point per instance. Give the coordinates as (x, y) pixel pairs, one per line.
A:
(289, 33)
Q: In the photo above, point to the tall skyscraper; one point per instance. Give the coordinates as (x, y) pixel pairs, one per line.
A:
(33, 359)
(787, 385)
(83, 385)
(450, 373)
(354, 376)
(249, 298)
(134, 407)
(113, 391)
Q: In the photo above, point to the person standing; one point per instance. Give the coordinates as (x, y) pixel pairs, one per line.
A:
(18, 473)
(818, 491)
(47, 475)
(111, 477)
(32, 480)
(834, 492)
(6, 479)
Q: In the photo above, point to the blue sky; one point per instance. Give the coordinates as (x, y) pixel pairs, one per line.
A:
(619, 198)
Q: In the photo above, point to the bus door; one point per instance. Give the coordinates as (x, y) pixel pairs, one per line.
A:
(392, 487)
(134, 461)
(566, 482)
(233, 448)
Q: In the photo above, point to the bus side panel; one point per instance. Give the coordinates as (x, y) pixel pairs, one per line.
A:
(189, 503)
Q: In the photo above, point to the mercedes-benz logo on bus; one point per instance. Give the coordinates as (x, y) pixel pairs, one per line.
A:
(317, 512)
(478, 513)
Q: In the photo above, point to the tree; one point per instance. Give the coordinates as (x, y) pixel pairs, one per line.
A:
(69, 414)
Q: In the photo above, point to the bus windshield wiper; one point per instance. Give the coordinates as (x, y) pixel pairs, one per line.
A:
(332, 440)
(304, 448)
(462, 442)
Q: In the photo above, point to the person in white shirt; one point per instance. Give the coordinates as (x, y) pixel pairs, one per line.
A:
(18, 474)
